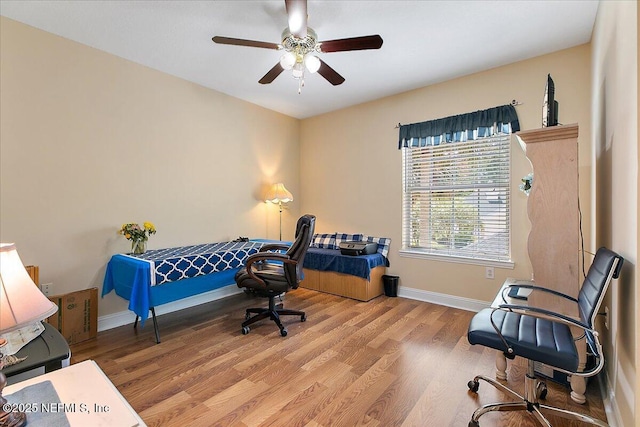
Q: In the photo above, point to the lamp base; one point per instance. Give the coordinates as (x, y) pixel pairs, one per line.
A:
(9, 419)
(13, 419)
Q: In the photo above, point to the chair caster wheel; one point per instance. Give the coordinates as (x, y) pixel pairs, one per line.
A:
(283, 332)
(473, 386)
(245, 330)
(474, 424)
(541, 390)
(303, 318)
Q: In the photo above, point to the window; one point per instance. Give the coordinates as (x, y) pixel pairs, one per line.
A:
(456, 198)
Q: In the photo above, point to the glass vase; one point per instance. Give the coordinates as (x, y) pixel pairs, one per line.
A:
(138, 247)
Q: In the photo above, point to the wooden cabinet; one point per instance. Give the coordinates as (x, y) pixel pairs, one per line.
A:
(554, 239)
(553, 209)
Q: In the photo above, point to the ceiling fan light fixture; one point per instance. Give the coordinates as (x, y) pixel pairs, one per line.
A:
(298, 70)
(312, 63)
(288, 60)
(300, 44)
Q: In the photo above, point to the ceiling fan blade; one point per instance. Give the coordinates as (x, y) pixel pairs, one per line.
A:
(271, 74)
(243, 42)
(354, 43)
(330, 74)
(297, 11)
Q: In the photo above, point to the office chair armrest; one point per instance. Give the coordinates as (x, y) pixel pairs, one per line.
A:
(268, 256)
(275, 247)
(536, 288)
(264, 256)
(544, 314)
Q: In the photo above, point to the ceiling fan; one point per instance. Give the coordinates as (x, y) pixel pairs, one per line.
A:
(300, 43)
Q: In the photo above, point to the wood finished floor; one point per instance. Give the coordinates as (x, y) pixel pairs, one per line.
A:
(388, 362)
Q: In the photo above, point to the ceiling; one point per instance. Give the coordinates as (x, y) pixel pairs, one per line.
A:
(425, 42)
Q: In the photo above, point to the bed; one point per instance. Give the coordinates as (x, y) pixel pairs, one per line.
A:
(165, 275)
(357, 277)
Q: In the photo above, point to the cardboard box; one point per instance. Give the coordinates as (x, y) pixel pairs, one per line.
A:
(554, 375)
(34, 273)
(77, 315)
(551, 374)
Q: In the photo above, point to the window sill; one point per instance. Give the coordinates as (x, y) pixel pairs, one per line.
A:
(408, 253)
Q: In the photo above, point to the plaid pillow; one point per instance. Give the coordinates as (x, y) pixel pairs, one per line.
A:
(324, 241)
(344, 237)
(383, 245)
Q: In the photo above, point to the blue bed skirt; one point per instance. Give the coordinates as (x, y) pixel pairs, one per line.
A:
(333, 260)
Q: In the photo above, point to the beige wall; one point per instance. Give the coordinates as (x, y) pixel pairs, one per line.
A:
(615, 142)
(351, 166)
(90, 141)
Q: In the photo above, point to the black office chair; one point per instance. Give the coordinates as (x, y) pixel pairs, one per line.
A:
(543, 336)
(270, 274)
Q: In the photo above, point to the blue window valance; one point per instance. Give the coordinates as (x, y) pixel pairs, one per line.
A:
(462, 127)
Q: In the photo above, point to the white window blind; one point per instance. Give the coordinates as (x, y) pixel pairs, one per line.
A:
(456, 198)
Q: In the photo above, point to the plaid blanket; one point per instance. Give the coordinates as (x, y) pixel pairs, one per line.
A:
(332, 241)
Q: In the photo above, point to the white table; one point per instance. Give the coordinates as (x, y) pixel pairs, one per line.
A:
(88, 397)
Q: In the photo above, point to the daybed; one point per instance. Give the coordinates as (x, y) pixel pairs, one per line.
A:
(357, 277)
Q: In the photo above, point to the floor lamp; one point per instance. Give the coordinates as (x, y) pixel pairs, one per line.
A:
(279, 194)
(21, 304)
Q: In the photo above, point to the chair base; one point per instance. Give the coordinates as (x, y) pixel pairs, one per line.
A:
(534, 390)
(273, 312)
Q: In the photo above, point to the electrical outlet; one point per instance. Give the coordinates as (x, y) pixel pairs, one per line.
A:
(606, 317)
(489, 273)
(46, 288)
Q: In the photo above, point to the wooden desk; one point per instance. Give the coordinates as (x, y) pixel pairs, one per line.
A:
(87, 395)
(578, 384)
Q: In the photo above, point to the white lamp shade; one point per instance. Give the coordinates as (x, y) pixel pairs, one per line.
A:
(279, 194)
(21, 302)
(298, 70)
(288, 60)
(312, 63)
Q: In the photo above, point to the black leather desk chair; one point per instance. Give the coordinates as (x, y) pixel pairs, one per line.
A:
(543, 336)
(269, 274)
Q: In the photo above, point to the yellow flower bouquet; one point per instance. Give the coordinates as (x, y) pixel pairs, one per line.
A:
(138, 235)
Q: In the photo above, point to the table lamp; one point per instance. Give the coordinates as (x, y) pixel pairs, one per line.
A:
(21, 303)
(279, 194)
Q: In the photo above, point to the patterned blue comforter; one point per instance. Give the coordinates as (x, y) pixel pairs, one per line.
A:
(333, 260)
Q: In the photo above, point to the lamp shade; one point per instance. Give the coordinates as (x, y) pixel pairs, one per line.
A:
(279, 194)
(21, 302)
(312, 63)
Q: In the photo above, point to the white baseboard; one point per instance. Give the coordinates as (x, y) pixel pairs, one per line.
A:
(443, 299)
(127, 317)
(614, 419)
(610, 399)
